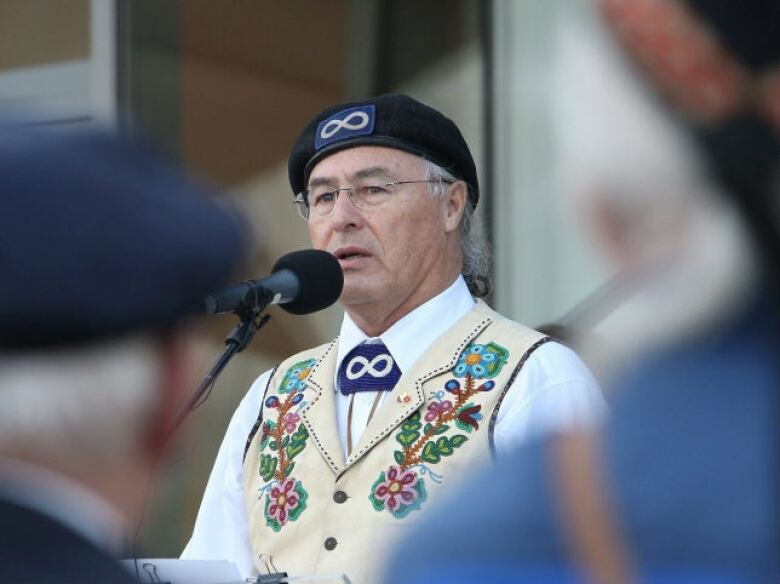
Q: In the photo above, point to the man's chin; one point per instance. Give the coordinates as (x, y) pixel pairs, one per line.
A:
(358, 295)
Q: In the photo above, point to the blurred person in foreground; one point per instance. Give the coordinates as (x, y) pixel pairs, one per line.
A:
(103, 252)
(336, 452)
(670, 122)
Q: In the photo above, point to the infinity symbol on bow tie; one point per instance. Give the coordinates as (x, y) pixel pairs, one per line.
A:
(369, 366)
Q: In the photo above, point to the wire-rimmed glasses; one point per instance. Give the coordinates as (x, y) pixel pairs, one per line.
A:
(319, 201)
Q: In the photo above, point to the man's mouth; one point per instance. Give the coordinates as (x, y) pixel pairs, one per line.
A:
(350, 254)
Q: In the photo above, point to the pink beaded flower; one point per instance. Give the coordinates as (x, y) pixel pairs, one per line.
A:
(437, 407)
(399, 491)
(290, 422)
(285, 502)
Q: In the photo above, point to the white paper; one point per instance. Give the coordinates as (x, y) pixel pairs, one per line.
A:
(176, 571)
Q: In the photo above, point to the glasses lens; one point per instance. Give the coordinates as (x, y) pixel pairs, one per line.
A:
(322, 200)
(372, 194)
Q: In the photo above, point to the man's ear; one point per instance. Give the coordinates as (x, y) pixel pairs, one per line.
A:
(173, 389)
(455, 200)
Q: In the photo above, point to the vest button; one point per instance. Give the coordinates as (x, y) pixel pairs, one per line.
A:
(331, 543)
(340, 497)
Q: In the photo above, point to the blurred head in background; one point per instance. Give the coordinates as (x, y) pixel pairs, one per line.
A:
(105, 252)
(670, 126)
(666, 108)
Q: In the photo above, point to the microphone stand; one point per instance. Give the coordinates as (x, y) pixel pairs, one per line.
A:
(251, 321)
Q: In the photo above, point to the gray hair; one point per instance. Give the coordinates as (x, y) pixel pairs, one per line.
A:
(83, 404)
(476, 255)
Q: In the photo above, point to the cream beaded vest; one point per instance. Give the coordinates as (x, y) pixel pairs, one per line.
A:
(312, 512)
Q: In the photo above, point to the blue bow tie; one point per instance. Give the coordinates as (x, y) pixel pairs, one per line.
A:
(368, 368)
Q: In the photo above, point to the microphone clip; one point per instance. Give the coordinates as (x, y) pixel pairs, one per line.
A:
(243, 333)
(251, 321)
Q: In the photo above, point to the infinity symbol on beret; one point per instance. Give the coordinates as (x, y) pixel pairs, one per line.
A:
(369, 366)
(334, 126)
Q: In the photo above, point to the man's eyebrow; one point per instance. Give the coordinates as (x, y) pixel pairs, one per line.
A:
(372, 171)
(369, 172)
(316, 182)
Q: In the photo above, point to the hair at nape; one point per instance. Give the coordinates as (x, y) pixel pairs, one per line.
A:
(477, 256)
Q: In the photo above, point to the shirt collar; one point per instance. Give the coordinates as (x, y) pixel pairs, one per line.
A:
(411, 336)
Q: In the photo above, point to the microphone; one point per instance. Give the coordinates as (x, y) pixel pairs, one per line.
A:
(301, 282)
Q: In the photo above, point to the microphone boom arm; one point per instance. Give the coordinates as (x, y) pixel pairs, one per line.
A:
(236, 341)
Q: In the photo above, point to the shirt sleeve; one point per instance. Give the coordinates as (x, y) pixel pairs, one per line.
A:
(554, 392)
(221, 529)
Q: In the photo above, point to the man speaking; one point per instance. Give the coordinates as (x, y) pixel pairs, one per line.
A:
(330, 455)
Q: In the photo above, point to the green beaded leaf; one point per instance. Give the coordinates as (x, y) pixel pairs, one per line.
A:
(430, 453)
(410, 430)
(297, 442)
(462, 426)
(502, 356)
(303, 496)
(399, 456)
(267, 466)
(458, 440)
(288, 470)
(443, 446)
(378, 504)
(412, 423)
(266, 437)
(430, 429)
(406, 439)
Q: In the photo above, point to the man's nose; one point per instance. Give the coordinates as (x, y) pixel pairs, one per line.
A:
(345, 213)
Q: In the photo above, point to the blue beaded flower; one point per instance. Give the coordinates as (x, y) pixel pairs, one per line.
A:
(481, 361)
(452, 386)
(295, 378)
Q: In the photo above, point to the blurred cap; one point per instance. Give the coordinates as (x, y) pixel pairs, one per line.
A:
(392, 120)
(99, 238)
(711, 59)
(716, 66)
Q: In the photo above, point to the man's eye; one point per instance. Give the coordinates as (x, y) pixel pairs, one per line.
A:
(322, 198)
(375, 190)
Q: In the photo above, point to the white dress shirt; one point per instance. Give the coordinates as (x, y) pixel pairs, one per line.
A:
(553, 391)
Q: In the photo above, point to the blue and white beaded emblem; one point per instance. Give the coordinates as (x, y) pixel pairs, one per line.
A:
(368, 368)
(348, 123)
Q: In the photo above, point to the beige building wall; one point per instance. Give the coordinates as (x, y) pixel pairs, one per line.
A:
(545, 262)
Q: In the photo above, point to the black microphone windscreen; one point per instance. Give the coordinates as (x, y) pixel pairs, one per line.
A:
(320, 276)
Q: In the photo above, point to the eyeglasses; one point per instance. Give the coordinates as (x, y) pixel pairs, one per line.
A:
(319, 201)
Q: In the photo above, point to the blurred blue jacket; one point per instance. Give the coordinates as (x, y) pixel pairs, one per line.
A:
(691, 451)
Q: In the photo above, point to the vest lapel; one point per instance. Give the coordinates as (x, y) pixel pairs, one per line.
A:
(408, 395)
(320, 415)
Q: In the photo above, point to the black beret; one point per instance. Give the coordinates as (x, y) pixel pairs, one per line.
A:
(393, 120)
(98, 238)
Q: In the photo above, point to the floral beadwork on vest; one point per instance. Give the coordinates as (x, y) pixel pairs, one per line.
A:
(400, 489)
(285, 438)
